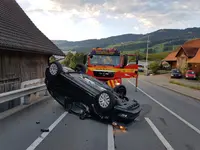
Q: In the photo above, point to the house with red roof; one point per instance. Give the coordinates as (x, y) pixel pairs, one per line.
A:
(186, 56)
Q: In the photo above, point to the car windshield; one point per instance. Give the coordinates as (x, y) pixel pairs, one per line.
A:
(175, 71)
(105, 60)
(191, 72)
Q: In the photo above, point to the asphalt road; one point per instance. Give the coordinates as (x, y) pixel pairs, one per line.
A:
(168, 121)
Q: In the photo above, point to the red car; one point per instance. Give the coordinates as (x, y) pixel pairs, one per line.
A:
(190, 74)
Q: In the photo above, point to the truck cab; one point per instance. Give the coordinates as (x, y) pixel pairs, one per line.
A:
(109, 65)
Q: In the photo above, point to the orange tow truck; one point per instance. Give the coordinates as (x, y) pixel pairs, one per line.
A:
(110, 66)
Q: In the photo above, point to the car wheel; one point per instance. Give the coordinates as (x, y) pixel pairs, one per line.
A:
(126, 99)
(104, 102)
(55, 68)
(121, 90)
(80, 68)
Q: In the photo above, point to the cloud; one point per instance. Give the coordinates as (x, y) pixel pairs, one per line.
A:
(110, 17)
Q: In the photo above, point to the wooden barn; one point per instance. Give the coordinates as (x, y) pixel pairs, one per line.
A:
(24, 49)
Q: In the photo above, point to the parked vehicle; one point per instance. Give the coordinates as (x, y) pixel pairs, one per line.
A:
(86, 96)
(175, 73)
(190, 74)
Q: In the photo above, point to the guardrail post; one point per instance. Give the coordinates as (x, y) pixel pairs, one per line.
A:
(26, 99)
(46, 93)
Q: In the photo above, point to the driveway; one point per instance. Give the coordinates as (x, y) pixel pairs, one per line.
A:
(167, 77)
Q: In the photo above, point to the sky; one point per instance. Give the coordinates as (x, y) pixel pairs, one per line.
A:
(76, 20)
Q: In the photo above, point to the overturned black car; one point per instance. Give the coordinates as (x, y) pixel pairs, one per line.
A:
(88, 97)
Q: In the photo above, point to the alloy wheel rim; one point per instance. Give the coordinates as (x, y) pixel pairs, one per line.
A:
(53, 69)
(104, 100)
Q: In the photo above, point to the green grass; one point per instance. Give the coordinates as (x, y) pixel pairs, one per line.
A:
(185, 85)
(135, 47)
(125, 43)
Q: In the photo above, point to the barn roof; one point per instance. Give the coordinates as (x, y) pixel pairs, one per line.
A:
(18, 33)
(189, 51)
(196, 58)
(172, 56)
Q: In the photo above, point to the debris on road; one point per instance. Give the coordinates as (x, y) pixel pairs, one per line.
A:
(44, 130)
(119, 126)
(37, 122)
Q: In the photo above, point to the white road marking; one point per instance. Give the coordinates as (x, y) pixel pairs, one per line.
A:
(159, 135)
(44, 134)
(111, 143)
(170, 111)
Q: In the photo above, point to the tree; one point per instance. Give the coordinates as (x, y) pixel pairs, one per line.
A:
(72, 62)
(154, 66)
(52, 59)
(67, 59)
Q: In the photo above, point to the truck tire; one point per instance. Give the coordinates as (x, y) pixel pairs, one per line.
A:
(104, 102)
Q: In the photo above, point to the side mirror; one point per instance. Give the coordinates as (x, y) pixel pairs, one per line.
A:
(125, 60)
(91, 56)
(85, 59)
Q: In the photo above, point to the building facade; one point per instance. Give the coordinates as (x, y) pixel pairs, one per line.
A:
(186, 57)
(24, 49)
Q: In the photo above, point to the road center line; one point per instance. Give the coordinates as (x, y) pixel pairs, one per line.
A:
(159, 135)
(44, 134)
(170, 111)
(111, 143)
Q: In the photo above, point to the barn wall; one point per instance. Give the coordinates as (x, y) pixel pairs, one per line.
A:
(173, 64)
(17, 67)
(33, 66)
(195, 67)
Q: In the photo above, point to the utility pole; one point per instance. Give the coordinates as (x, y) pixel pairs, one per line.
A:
(147, 56)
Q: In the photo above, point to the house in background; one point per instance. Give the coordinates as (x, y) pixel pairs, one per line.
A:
(186, 56)
(171, 58)
(24, 49)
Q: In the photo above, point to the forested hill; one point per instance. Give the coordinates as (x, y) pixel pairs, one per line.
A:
(161, 40)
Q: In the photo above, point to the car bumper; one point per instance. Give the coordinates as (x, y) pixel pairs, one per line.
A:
(176, 76)
(129, 116)
(125, 114)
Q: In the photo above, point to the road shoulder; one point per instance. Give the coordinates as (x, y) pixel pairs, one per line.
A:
(195, 94)
(19, 108)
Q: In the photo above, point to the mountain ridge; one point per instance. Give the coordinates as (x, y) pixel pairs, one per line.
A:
(161, 40)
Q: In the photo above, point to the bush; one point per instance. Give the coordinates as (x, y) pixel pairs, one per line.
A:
(154, 67)
(52, 59)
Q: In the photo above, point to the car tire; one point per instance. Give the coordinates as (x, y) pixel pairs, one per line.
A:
(104, 102)
(121, 90)
(80, 68)
(55, 68)
(126, 99)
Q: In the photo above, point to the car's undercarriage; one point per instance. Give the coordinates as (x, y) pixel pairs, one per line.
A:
(88, 97)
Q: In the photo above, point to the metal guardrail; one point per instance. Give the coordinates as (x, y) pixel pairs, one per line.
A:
(25, 92)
